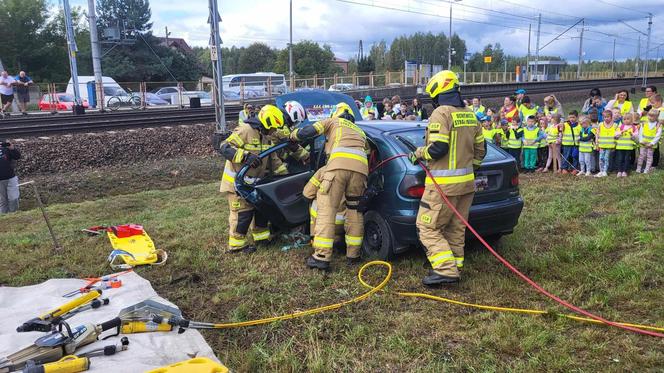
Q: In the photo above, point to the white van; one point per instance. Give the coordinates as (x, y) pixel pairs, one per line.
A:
(256, 84)
(111, 87)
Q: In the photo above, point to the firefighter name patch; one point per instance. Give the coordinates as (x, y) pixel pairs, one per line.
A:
(434, 127)
(236, 204)
(425, 218)
(464, 119)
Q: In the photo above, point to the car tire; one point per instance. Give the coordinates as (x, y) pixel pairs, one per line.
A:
(378, 242)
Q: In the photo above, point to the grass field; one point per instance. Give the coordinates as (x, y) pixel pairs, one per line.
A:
(597, 243)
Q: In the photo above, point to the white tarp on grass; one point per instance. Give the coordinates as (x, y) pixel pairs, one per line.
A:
(146, 350)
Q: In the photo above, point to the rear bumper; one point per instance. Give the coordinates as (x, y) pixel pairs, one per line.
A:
(488, 219)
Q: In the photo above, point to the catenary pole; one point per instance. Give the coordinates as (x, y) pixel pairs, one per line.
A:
(219, 111)
(645, 65)
(578, 68)
(96, 54)
(71, 50)
(537, 43)
(613, 58)
(290, 48)
(528, 77)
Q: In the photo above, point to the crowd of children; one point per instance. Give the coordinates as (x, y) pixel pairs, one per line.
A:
(607, 138)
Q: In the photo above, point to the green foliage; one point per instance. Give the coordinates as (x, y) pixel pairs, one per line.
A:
(309, 58)
(126, 14)
(257, 57)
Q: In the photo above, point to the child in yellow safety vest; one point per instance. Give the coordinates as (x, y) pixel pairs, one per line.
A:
(586, 145)
(513, 137)
(649, 136)
(570, 142)
(543, 145)
(625, 136)
(553, 139)
(532, 135)
(488, 132)
(606, 142)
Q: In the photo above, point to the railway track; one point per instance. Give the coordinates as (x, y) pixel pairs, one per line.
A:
(42, 125)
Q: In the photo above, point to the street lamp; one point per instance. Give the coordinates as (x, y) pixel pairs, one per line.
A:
(449, 49)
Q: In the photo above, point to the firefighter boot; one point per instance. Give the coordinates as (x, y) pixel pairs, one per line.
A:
(435, 279)
(312, 262)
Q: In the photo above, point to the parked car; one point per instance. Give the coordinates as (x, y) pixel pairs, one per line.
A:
(341, 87)
(152, 99)
(166, 93)
(205, 97)
(58, 102)
(111, 87)
(390, 221)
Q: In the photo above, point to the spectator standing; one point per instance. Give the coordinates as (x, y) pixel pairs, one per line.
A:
(552, 106)
(396, 104)
(649, 135)
(528, 109)
(606, 142)
(419, 111)
(649, 92)
(570, 141)
(586, 146)
(594, 100)
(389, 113)
(6, 92)
(625, 136)
(657, 104)
(622, 102)
(553, 139)
(9, 193)
(520, 94)
(246, 113)
(23, 83)
(509, 109)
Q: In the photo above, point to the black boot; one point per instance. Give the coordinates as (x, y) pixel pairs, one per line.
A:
(435, 279)
(249, 249)
(354, 261)
(315, 263)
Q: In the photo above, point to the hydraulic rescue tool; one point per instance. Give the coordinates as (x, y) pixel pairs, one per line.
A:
(56, 345)
(49, 320)
(75, 363)
(104, 282)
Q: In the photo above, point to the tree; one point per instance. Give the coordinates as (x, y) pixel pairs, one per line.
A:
(125, 14)
(256, 57)
(378, 54)
(309, 58)
(20, 25)
(365, 65)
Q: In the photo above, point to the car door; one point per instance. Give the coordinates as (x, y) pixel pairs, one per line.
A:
(280, 198)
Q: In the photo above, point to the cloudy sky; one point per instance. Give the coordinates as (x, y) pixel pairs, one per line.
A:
(342, 23)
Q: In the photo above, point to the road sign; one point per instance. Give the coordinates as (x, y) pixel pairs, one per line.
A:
(466, 56)
(488, 59)
(213, 53)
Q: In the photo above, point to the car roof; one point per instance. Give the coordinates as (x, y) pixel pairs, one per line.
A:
(375, 127)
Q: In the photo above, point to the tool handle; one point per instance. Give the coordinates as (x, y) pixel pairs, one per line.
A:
(144, 327)
(68, 364)
(111, 324)
(84, 299)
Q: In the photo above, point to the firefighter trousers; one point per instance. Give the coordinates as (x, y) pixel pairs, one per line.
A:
(336, 185)
(240, 219)
(441, 232)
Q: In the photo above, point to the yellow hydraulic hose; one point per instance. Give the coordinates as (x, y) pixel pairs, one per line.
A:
(374, 289)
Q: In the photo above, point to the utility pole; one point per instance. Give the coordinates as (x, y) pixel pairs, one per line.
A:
(645, 65)
(215, 53)
(96, 55)
(167, 34)
(537, 43)
(290, 49)
(71, 50)
(613, 58)
(528, 55)
(578, 69)
(449, 49)
(656, 60)
(638, 56)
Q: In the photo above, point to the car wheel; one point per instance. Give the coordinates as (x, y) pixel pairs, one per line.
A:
(378, 242)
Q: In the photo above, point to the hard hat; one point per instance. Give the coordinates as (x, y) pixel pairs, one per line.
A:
(342, 110)
(295, 111)
(271, 116)
(442, 82)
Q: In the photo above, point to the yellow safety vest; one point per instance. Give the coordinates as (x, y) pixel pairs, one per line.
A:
(625, 141)
(571, 135)
(543, 143)
(552, 133)
(649, 134)
(586, 146)
(513, 142)
(547, 111)
(489, 134)
(643, 103)
(606, 138)
(480, 109)
(626, 107)
(528, 136)
(525, 112)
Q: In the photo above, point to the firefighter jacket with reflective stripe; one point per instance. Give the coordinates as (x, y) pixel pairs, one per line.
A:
(458, 129)
(571, 134)
(246, 139)
(296, 151)
(346, 144)
(607, 136)
(626, 139)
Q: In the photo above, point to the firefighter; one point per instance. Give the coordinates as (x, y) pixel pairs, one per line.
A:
(454, 148)
(309, 193)
(242, 147)
(295, 116)
(345, 176)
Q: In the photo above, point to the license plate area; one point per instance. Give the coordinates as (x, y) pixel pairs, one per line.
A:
(481, 183)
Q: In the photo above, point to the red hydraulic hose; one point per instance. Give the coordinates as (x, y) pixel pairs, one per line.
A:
(509, 265)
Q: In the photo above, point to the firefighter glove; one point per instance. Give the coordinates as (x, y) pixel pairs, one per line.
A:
(252, 160)
(413, 158)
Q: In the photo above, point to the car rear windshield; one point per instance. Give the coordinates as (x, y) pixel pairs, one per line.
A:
(66, 98)
(416, 137)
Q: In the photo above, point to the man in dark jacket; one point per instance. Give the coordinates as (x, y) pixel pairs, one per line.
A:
(8, 180)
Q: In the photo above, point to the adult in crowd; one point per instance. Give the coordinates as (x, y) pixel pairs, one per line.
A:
(396, 104)
(478, 108)
(419, 111)
(649, 92)
(9, 192)
(381, 107)
(509, 109)
(552, 106)
(6, 92)
(657, 103)
(246, 113)
(621, 101)
(519, 94)
(594, 101)
(528, 109)
(23, 83)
